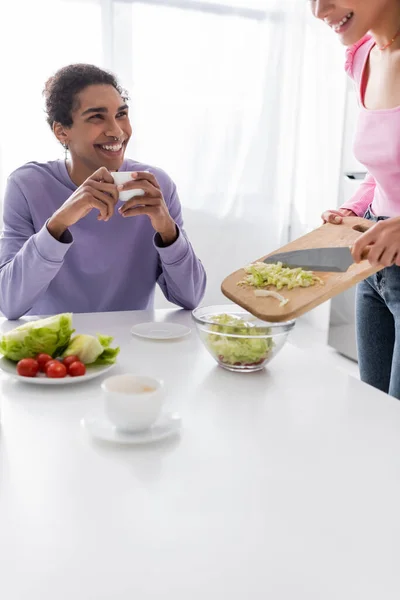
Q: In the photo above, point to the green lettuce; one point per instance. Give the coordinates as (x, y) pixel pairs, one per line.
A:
(92, 350)
(50, 336)
(232, 350)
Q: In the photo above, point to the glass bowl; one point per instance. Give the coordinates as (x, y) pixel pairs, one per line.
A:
(238, 340)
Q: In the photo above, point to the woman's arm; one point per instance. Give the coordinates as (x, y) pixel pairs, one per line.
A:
(363, 197)
(356, 206)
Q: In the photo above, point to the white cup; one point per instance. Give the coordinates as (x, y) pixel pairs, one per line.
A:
(133, 402)
(121, 177)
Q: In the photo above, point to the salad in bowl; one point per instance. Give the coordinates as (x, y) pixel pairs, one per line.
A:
(236, 339)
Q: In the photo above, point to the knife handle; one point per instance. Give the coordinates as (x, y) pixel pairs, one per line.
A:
(365, 253)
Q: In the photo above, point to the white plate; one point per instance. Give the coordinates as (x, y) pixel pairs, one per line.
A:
(101, 428)
(10, 367)
(160, 331)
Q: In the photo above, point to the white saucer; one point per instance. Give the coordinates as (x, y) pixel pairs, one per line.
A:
(160, 331)
(100, 427)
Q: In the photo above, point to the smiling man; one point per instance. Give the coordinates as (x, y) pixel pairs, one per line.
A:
(68, 243)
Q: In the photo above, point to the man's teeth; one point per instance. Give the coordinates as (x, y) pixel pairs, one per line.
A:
(115, 148)
(342, 22)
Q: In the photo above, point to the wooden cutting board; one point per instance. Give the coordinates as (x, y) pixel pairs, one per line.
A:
(301, 300)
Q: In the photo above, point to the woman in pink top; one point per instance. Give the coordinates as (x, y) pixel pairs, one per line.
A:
(371, 30)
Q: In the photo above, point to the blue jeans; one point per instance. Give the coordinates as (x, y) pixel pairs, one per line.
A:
(378, 327)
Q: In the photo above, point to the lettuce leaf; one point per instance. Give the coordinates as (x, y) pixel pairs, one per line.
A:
(92, 350)
(50, 336)
(109, 355)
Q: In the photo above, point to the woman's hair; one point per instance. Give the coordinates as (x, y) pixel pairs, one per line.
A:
(61, 90)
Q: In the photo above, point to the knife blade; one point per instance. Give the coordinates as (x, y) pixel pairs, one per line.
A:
(315, 259)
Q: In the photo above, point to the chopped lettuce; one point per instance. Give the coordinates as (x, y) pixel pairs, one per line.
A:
(261, 275)
(230, 349)
(92, 350)
(261, 293)
(50, 336)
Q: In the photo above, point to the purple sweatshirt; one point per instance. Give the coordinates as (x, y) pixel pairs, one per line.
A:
(96, 266)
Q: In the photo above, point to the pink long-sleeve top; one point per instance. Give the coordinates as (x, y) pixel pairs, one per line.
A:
(376, 144)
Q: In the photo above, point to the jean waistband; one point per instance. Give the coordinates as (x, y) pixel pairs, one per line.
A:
(371, 217)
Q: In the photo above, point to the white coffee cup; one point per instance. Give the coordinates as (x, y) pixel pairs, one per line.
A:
(133, 402)
(121, 177)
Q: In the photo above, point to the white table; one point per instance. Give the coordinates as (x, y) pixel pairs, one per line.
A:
(285, 484)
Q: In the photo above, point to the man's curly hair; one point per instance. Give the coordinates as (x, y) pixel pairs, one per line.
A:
(61, 90)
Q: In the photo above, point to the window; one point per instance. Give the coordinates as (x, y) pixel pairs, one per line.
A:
(52, 33)
(197, 88)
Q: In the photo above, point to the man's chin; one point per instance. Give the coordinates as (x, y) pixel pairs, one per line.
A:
(111, 160)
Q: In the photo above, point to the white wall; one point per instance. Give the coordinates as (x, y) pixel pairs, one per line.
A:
(224, 245)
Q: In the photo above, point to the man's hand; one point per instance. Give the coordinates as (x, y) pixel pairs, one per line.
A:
(97, 192)
(151, 204)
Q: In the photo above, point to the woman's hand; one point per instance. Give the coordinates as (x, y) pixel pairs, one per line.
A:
(152, 204)
(383, 238)
(336, 216)
(97, 192)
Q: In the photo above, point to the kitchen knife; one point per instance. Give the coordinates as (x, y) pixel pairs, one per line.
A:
(337, 259)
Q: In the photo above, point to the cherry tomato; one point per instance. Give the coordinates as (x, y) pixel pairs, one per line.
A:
(55, 369)
(56, 360)
(49, 363)
(28, 367)
(42, 359)
(68, 360)
(76, 369)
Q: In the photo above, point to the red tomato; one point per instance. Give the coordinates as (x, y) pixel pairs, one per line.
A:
(42, 359)
(53, 360)
(76, 369)
(55, 369)
(68, 360)
(49, 363)
(28, 367)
